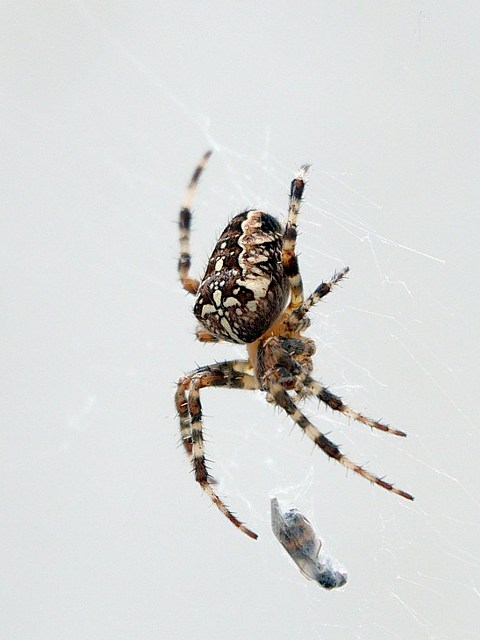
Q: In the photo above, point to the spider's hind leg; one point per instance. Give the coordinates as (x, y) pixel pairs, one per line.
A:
(184, 221)
(289, 257)
(187, 399)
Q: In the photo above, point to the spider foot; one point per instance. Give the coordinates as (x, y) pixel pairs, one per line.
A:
(218, 502)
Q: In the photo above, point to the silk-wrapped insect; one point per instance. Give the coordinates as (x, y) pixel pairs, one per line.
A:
(298, 538)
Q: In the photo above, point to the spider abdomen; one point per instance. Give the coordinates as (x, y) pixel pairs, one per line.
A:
(244, 289)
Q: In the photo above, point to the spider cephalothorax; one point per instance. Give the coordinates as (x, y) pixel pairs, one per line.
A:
(252, 294)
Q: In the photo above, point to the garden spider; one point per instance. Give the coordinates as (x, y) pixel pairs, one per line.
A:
(252, 294)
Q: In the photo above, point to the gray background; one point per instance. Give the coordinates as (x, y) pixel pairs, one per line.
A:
(106, 108)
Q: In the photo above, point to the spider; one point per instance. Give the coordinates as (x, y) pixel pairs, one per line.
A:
(252, 294)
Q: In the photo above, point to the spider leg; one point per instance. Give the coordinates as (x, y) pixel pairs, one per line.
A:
(334, 402)
(181, 404)
(289, 258)
(189, 284)
(295, 356)
(181, 401)
(283, 399)
(203, 335)
(231, 374)
(294, 321)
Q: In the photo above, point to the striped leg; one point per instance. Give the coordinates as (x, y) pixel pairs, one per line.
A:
(185, 217)
(296, 321)
(334, 402)
(289, 258)
(181, 404)
(187, 399)
(282, 399)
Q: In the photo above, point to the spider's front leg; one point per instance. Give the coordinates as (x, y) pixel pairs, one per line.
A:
(278, 373)
(313, 388)
(232, 375)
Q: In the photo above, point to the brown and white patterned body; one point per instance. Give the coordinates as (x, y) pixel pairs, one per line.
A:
(245, 288)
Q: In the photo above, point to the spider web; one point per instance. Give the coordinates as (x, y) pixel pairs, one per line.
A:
(419, 564)
(420, 553)
(109, 536)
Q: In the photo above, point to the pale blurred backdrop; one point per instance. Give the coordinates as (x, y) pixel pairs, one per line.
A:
(106, 108)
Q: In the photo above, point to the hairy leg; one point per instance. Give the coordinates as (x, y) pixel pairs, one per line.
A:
(283, 400)
(185, 217)
(334, 402)
(187, 399)
(297, 321)
(289, 257)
